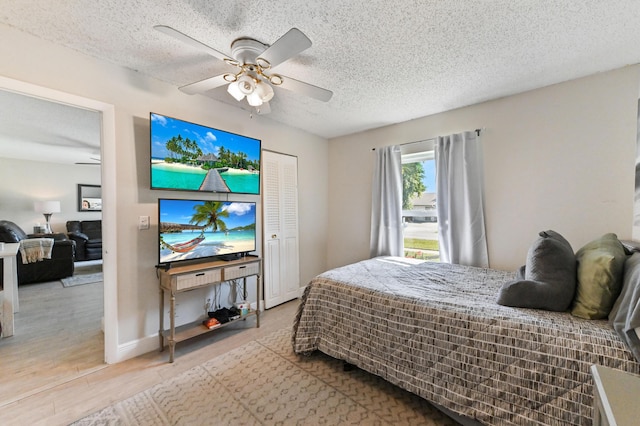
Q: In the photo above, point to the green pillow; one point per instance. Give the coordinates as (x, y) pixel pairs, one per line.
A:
(600, 268)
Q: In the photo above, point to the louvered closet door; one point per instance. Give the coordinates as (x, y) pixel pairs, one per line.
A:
(280, 213)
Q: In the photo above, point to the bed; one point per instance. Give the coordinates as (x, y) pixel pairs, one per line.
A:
(436, 330)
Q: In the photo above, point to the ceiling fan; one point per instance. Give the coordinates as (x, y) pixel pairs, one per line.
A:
(254, 61)
(97, 162)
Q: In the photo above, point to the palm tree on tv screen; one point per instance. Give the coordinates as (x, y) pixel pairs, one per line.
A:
(211, 214)
(186, 150)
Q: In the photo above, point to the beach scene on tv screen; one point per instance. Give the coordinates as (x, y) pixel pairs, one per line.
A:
(188, 156)
(195, 229)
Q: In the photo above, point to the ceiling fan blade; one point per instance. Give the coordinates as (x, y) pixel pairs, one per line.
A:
(263, 109)
(191, 42)
(306, 89)
(287, 46)
(204, 85)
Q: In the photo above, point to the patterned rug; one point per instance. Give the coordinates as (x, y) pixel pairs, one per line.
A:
(265, 383)
(82, 279)
(87, 272)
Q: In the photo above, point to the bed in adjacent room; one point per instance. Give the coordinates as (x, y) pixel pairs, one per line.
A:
(436, 330)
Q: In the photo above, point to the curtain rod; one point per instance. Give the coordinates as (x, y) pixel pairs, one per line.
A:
(425, 140)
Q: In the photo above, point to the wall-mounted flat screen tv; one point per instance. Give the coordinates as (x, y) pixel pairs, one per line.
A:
(192, 157)
(200, 229)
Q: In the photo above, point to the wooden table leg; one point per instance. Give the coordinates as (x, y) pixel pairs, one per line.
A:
(258, 301)
(161, 328)
(172, 332)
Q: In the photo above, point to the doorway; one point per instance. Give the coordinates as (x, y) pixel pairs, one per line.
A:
(107, 151)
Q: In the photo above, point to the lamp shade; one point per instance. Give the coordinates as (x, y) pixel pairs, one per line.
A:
(246, 84)
(265, 91)
(47, 206)
(254, 99)
(234, 91)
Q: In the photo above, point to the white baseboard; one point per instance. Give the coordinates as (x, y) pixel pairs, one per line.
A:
(253, 306)
(138, 347)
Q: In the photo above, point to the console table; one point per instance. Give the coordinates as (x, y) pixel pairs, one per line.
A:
(179, 279)
(9, 292)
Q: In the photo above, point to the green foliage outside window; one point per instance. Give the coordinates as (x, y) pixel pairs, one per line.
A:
(412, 186)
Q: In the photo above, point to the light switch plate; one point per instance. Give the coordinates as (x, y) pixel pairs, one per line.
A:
(143, 222)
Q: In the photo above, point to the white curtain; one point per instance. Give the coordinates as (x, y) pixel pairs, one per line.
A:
(386, 205)
(460, 200)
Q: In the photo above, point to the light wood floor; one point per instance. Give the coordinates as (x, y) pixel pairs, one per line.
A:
(57, 380)
(57, 336)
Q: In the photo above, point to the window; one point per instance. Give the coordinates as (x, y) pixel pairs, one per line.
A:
(419, 216)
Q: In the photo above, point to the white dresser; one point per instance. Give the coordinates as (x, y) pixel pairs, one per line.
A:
(616, 397)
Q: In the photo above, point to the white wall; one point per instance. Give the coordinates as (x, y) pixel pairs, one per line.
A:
(22, 182)
(561, 157)
(134, 96)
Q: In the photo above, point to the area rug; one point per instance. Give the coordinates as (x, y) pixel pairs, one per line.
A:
(265, 383)
(82, 279)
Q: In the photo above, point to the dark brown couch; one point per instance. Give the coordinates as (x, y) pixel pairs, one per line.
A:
(59, 266)
(88, 237)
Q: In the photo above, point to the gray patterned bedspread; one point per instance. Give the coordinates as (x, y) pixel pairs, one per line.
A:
(435, 330)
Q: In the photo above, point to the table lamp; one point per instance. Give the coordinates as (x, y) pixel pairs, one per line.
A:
(47, 208)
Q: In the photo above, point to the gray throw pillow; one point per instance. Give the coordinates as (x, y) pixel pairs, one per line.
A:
(625, 314)
(548, 280)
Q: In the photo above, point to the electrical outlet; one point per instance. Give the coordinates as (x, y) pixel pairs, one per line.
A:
(143, 222)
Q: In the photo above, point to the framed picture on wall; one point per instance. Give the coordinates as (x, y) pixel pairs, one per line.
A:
(89, 198)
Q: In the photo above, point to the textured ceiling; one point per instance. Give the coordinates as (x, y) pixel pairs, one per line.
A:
(386, 62)
(40, 130)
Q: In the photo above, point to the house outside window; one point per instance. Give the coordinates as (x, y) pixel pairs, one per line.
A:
(419, 216)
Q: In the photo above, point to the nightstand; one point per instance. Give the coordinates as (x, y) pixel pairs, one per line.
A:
(615, 397)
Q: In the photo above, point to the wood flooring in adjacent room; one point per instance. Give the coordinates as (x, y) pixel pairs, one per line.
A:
(57, 338)
(64, 401)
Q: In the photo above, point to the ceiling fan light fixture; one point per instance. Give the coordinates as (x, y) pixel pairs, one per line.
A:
(263, 63)
(230, 77)
(265, 91)
(234, 91)
(253, 60)
(246, 84)
(275, 79)
(254, 99)
(232, 62)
